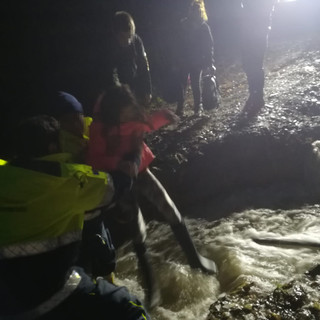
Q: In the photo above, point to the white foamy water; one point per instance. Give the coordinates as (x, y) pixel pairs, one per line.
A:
(187, 293)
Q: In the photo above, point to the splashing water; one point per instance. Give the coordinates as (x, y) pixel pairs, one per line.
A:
(187, 293)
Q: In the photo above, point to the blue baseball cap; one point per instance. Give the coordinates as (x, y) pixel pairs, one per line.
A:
(64, 103)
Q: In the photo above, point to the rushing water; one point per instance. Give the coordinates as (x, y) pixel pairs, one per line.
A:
(187, 294)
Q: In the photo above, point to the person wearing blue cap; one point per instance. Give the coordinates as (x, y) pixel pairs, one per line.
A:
(74, 125)
(97, 254)
(43, 199)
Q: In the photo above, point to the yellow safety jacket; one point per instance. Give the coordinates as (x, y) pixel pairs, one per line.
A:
(40, 211)
(75, 145)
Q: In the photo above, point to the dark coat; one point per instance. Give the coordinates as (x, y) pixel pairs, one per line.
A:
(130, 66)
(196, 46)
(256, 16)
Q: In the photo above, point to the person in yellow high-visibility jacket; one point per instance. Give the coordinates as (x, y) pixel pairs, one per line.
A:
(97, 251)
(74, 131)
(43, 200)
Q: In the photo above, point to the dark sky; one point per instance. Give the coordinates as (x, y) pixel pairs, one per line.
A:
(57, 44)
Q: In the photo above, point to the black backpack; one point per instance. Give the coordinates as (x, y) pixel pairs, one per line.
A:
(210, 91)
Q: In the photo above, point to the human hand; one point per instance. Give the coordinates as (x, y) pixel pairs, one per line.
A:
(172, 117)
(129, 167)
(209, 70)
(147, 99)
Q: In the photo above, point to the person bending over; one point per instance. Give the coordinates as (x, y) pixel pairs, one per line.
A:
(116, 141)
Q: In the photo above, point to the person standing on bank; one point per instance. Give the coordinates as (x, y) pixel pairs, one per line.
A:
(195, 55)
(255, 27)
(128, 59)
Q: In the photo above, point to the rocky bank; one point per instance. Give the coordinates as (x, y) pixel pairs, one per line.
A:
(235, 161)
(227, 161)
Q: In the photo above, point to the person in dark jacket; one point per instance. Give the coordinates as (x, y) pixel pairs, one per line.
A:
(43, 200)
(128, 58)
(255, 27)
(195, 55)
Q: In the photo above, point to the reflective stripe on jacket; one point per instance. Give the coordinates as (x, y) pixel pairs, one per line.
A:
(41, 211)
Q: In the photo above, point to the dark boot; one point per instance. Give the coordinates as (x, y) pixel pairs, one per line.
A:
(153, 296)
(198, 110)
(254, 103)
(256, 85)
(179, 111)
(194, 258)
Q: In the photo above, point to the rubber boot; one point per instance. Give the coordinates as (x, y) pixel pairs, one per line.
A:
(195, 259)
(256, 85)
(198, 110)
(152, 297)
(179, 111)
(315, 271)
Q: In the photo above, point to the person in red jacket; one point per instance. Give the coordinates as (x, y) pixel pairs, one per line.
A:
(116, 141)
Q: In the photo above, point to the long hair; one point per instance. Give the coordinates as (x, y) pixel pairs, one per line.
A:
(123, 22)
(115, 99)
(33, 136)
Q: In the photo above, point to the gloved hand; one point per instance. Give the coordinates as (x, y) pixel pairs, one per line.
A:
(171, 116)
(209, 70)
(122, 182)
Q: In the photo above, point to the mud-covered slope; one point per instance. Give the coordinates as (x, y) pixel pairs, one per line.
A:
(233, 160)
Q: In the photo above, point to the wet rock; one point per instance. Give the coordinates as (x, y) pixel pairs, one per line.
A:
(229, 160)
(287, 302)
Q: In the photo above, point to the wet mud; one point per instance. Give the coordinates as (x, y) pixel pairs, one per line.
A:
(233, 160)
(288, 301)
(228, 161)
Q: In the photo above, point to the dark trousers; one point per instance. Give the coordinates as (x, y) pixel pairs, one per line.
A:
(154, 192)
(253, 52)
(97, 254)
(126, 221)
(194, 72)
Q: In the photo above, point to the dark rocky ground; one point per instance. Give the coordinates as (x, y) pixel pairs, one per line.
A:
(290, 301)
(225, 162)
(234, 161)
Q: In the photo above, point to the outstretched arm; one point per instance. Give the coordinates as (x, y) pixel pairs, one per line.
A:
(144, 79)
(161, 118)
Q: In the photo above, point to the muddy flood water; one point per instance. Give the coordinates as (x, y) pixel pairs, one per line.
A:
(187, 293)
(293, 107)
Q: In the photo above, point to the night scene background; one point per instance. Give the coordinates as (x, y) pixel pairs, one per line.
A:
(262, 175)
(61, 44)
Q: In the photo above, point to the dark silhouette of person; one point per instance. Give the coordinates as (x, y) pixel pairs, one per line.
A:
(128, 59)
(195, 53)
(255, 26)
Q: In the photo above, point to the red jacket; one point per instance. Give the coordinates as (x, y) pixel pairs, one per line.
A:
(108, 147)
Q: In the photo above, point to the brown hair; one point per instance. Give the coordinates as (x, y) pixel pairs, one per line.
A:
(123, 22)
(33, 136)
(115, 99)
